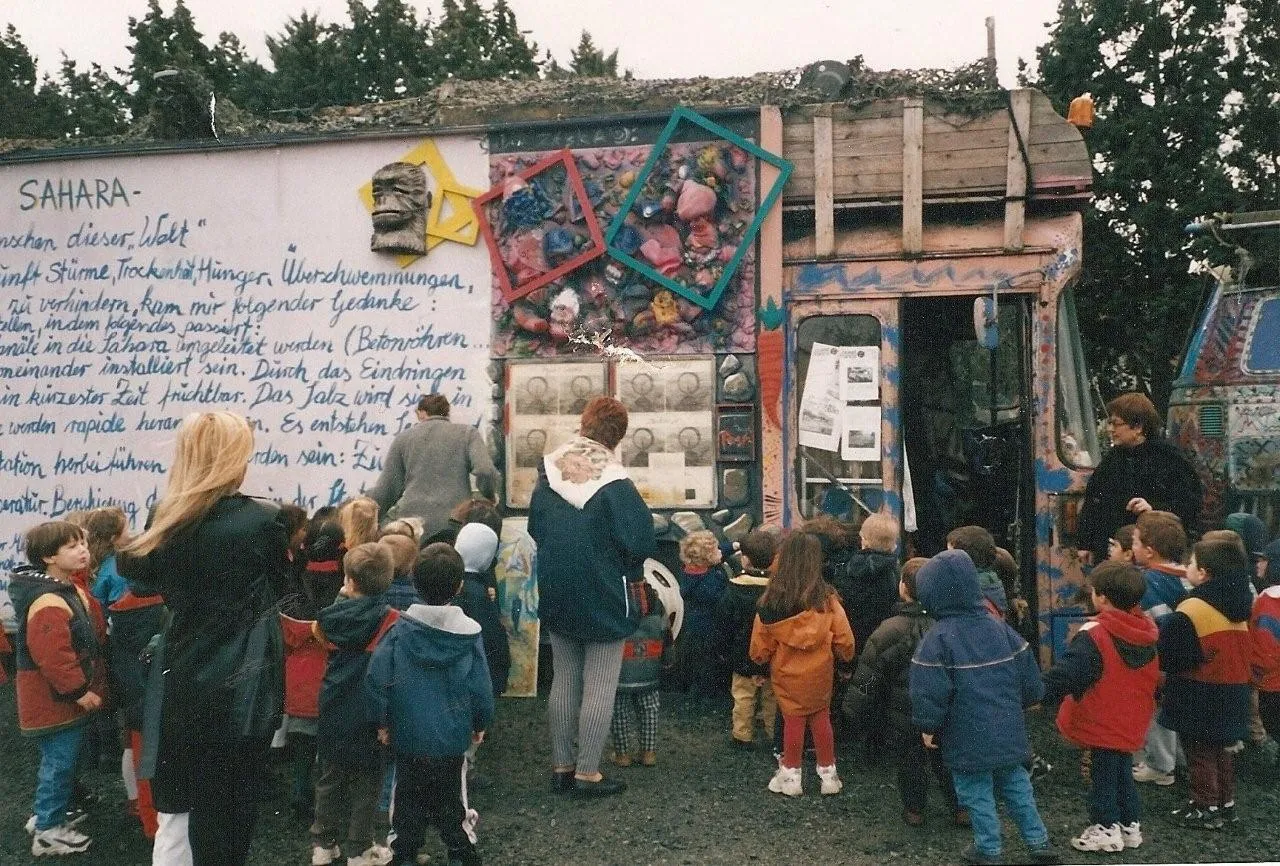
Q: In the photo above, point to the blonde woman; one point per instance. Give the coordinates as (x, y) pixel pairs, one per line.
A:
(219, 558)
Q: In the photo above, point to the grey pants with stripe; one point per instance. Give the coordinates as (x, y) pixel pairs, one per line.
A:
(585, 678)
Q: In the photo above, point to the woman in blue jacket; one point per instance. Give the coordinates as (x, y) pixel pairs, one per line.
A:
(593, 533)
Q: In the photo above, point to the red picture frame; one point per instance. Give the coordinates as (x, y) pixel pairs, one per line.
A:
(596, 248)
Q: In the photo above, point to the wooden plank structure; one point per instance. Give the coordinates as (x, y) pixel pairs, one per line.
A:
(910, 153)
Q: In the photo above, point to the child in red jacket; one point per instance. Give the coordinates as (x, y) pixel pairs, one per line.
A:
(61, 677)
(1264, 656)
(304, 660)
(1106, 681)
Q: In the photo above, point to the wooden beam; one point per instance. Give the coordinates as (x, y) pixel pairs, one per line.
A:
(1015, 207)
(912, 176)
(824, 188)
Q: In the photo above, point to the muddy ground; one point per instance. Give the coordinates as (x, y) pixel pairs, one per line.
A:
(702, 804)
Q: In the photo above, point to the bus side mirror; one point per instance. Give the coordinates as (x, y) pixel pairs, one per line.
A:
(986, 322)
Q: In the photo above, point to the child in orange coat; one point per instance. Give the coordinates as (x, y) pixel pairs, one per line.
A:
(799, 632)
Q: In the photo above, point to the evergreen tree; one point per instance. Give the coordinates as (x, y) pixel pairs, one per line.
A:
(387, 51)
(1159, 81)
(90, 104)
(237, 75)
(27, 111)
(311, 66)
(510, 55)
(165, 42)
(475, 44)
(588, 60)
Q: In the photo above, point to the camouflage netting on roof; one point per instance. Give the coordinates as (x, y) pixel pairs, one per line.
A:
(965, 90)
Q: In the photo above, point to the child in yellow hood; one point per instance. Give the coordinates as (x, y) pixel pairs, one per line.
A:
(799, 631)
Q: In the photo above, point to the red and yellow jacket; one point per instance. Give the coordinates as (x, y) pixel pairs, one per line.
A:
(61, 635)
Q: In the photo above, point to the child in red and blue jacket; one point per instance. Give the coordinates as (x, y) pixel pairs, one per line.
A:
(61, 677)
(1204, 651)
(1264, 645)
(1107, 682)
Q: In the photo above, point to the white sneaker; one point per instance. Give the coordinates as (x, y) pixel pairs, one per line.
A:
(786, 781)
(74, 818)
(374, 855)
(1099, 838)
(1144, 773)
(322, 855)
(59, 840)
(831, 783)
(1132, 834)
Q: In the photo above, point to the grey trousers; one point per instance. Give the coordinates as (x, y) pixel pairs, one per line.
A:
(1160, 751)
(584, 680)
(346, 799)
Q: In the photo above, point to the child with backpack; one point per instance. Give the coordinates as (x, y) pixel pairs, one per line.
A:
(800, 631)
(881, 681)
(636, 703)
(350, 755)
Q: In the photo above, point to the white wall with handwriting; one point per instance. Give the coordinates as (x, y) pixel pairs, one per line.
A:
(135, 290)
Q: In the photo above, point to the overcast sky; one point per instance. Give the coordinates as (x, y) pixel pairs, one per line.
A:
(656, 38)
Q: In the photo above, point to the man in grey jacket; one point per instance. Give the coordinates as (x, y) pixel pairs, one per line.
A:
(426, 470)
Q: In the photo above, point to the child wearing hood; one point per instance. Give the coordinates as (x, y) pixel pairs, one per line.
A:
(972, 674)
(1204, 652)
(350, 755)
(1264, 641)
(1106, 681)
(799, 631)
(477, 544)
(431, 697)
(734, 618)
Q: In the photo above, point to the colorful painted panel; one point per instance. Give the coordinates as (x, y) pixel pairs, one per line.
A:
(517, 575)
(605, 297)
(536, 226)
(715, 223)
(1254, 456)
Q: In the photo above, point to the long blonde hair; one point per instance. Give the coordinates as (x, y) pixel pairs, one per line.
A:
(358, 518)
(209, 462)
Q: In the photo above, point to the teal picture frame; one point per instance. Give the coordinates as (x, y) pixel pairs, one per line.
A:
(708, 299)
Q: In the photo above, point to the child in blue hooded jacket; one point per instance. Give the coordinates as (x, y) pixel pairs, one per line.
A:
(972, 674)
(431, 697)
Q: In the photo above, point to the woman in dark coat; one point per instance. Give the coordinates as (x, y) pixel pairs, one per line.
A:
(220, 559)
(1143, 471)
(593, 533)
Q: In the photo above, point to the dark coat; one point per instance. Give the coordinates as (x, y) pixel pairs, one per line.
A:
(884, 668)
(586, 557)
(475, 603)
(972, 674)
(223, 677)
(1156, 471)
(402, 593)
(135, 620)
(731, 626)
(868, 590)
(349, 626)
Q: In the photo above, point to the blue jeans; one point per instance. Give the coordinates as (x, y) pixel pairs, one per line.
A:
(977, 793)
(1113, 797)
(56, 777)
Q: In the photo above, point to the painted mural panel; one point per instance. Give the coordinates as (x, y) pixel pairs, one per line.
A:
(136, 290)
(688, 220)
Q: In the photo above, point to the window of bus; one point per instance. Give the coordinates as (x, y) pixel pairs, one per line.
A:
(1077, 425)
(817, 470)
(1262, 354)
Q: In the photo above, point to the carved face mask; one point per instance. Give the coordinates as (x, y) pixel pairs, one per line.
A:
(400, 203)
